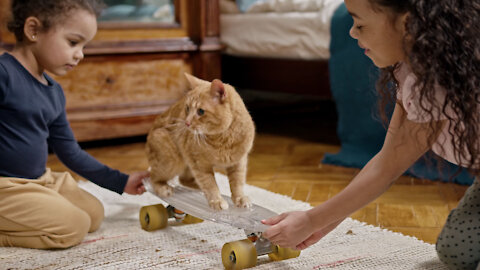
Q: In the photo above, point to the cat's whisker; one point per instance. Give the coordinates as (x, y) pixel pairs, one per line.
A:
(174, 125)
(179, 126)
(202, 137)
(182, 129)
(197, 137)
(177, 121)
(194, 136)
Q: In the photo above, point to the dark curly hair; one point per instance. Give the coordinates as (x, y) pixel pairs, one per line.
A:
(49, 12)
(443, 47)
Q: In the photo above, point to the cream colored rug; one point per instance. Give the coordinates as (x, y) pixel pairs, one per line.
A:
(120, 243)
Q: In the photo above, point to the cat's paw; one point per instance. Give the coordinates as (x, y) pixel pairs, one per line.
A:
(163, 190)
(218, 204)
(242, 201)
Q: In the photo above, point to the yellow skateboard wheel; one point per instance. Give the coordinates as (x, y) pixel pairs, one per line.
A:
(191, 219)
(239, 255)
(153, 217)
(280, 253)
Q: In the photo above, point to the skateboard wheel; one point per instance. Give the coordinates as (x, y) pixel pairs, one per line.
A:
(191, 219)
(153, 217)
(280, 253)
(239, 255)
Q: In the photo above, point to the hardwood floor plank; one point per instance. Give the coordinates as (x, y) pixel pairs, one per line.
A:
(283, 187)
(401, 215)
(302, 191)
(368, 214)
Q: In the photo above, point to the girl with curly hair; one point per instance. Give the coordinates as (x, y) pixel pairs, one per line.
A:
(429, 53)
(40, 208)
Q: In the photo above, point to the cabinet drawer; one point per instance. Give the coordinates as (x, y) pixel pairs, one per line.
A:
(109, 97)
(121, 82)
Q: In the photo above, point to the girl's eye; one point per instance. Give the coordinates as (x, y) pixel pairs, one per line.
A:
(359, 27)
(73, 43)
(200, 112)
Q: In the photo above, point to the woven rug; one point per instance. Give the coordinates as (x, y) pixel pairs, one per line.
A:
(120, 243)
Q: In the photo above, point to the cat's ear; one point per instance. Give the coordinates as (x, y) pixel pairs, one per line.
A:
(194, 81)
(217, 89)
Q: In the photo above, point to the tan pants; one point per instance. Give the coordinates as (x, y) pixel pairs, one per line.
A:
(48, 212)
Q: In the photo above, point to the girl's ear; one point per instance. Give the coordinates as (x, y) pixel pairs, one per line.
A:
(402, 22)
(194, 81)
(31, 28)
(217, 90)
(401, 27)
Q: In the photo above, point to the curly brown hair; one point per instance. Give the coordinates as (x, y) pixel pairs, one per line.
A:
(49, 12)
(443, 48)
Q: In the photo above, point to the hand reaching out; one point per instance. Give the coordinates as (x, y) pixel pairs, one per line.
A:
(134, 184)
(289, 229)
(295, 230)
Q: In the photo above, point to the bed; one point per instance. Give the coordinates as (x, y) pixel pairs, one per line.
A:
(277, 45)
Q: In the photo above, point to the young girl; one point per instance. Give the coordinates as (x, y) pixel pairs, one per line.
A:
(40, 208)
(429, 52)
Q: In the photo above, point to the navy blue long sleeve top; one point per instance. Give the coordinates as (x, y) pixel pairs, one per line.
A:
(32, 118)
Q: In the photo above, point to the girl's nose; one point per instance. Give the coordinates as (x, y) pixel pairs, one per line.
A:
(352, 32)
(79, 54)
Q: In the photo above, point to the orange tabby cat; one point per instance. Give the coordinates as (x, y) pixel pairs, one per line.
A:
(208, 128)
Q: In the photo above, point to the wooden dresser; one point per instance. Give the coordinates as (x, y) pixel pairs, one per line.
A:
(134, 71)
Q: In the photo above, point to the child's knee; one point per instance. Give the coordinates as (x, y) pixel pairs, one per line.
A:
(454, 258)
(97, 214)
(454, 254)
(69, 231)
(74, 231)
(445, 252)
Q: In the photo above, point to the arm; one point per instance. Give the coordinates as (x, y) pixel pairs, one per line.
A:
(3, 83)
(405, 142)
(65, 146)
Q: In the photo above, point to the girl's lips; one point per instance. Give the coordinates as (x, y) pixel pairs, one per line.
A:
(364, 49)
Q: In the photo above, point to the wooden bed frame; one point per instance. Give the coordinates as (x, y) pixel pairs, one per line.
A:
(306, 77)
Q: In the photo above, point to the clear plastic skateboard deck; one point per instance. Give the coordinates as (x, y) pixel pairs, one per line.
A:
(193, 202)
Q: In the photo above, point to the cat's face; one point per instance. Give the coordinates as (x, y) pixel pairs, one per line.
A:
(207, 107)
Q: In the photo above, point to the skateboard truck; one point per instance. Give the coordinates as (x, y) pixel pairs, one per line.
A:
(179, 215)
(154, 217)
(262, 245)
(243, 253)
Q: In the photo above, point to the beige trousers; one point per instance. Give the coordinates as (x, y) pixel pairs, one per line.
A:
(48, 212)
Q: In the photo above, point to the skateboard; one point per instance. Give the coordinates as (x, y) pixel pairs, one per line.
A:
(190, 206)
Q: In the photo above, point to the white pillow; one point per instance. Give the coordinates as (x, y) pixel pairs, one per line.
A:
(228, 7)
(282, 6)
(245, 5)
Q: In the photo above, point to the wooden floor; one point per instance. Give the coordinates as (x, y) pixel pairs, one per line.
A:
(286, 159)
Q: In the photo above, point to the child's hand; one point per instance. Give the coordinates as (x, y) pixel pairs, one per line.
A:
(134, 184)
(289, 230)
